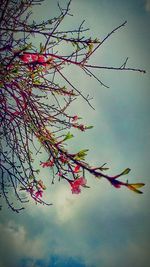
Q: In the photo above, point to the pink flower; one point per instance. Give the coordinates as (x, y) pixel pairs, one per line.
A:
(76, 169)
(38, 58)
(76, 190)
(39, 193)
(30, 58)
(27, 58)
(42, 59)
(81, 127)
(63, 159)
(34, 57)
(75, 185)
(47, 164)
(75, 118)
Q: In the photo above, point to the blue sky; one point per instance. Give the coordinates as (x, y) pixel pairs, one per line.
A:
(103, 226)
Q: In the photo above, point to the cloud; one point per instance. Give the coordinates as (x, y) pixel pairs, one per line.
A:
(16, 244)
(147, 5)
(101, 227)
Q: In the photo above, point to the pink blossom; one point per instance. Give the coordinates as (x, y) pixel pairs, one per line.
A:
(27, 58)
(39, 193)
(75, 185)
(76, 169)
(42, 59)
(48, 164)
(76, 190)
(81, 127)
(34, 57)
(75, 118)
(63, 159)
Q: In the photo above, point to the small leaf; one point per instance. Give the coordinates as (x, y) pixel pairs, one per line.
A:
(31, 177)
(15, 70)
(68, 136)
(37, 82)
(89, 127)
(104, 168)
(90, 46)
(81, 154)
(126, 171)
(22, 188)
(98, 176)
(85, 186)
(134, 187)
(40, 182)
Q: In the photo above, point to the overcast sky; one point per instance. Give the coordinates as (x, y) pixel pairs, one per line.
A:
(104, 226)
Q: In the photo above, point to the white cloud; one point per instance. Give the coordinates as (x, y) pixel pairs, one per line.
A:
(89, 226)
(16, 244)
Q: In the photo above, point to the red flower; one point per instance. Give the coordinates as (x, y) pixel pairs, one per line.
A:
(28, 58)
(42, 59)
(76, 190)
(81, 127)
(34, 57)
(75, 185)
(75, 125)
(76, 169)
(39, 193)
(63, 159)
(47, 164)
(75, 118)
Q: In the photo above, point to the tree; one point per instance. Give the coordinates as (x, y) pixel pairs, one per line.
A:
(34, 116)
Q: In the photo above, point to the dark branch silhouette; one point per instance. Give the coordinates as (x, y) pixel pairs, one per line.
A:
(34, 113)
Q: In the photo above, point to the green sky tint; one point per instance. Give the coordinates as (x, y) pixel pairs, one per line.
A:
(102, 227)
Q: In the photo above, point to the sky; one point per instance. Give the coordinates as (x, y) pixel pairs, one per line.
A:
(103, 226)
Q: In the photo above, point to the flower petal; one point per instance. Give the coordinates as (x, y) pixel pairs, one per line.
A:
(76, 169)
